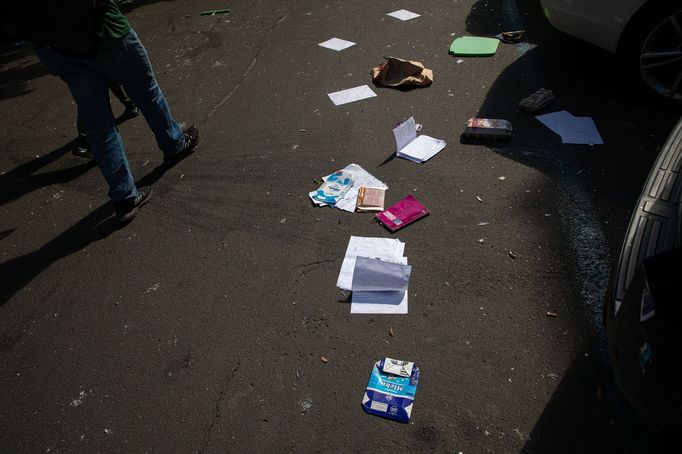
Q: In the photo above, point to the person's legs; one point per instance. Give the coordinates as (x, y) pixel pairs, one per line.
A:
(134, 72)
(122, 96)
(90, 90)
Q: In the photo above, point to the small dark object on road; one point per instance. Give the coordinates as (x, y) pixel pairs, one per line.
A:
(213, 12)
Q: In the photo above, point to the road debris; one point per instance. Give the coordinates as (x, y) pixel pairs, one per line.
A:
(403, 213)
(213, 12)
(403, 15)
(390, 331)
(553, 376)
(537, 100)
(391, 389)
(512, 255)
(324, 360)
(488, 128)
(474, 46)
(415, 148)
(337, 44)
(512, 37)
(479, 199)
(551, 314)
(395, 72)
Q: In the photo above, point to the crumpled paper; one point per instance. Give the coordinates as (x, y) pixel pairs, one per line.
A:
(396, 71)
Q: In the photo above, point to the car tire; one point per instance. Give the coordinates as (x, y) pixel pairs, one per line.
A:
(651, 50)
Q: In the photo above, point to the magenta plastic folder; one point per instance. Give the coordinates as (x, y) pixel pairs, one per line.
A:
(402, 213)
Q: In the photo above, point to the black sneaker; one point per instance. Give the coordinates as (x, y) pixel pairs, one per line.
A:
(126, 211)
(131, 112)
(191, 140)
(82, 149)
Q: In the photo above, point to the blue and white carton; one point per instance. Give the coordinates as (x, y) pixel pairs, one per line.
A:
(391, 389)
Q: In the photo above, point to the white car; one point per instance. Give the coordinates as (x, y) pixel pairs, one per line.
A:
(646, 34)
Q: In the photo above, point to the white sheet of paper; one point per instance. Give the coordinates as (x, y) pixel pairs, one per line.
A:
(379, 302)
(405, 133)
(572, 129)
(388, 249)
(337, 44)
(351, 95)
(403, 14)
(422, 149)
(583, 131)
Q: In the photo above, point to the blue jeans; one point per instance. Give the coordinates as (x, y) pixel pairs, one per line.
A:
(124, 61)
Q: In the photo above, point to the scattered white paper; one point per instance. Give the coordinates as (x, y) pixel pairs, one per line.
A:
(380, 302)
(573, 130)
(351, 95)
(403, 14)
(388, 249)
(337, 44)
(374, 275)
(360, 178)
(416, 149)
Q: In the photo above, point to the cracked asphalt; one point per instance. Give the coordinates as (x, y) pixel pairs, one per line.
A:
(200, 326)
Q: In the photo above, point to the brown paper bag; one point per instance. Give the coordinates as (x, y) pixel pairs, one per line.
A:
(396, 71)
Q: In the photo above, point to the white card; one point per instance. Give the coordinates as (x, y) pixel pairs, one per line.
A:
(351, 95)
(403, 14)
(337, 44)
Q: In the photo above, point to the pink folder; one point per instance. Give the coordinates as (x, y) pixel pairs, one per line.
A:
(402, 213)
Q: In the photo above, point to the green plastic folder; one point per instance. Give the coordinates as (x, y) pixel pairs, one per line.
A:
(474, 46)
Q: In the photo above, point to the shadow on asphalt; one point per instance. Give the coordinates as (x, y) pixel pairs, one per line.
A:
(20, 180)
(97, 225)
(586, 412)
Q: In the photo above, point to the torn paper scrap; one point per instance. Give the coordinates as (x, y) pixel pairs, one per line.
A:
(572, 129)
(351, 95)
(337, 44)
(403, 14)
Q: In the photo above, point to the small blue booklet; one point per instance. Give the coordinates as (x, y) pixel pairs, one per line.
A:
(391, 389)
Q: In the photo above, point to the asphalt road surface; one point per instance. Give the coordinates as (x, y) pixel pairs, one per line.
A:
(200, 326)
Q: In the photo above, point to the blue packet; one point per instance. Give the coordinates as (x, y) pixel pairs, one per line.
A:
(391, 389)
(334, 187)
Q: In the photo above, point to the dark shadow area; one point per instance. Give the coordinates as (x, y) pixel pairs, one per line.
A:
(389, 159)
(20, 180)
(587, 82)
(401, 88)
(19, 68)
(5, 233)
(97, 225)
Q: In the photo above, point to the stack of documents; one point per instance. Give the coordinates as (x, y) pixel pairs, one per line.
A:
(348, 200)
(417, 149)
(377, 273)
